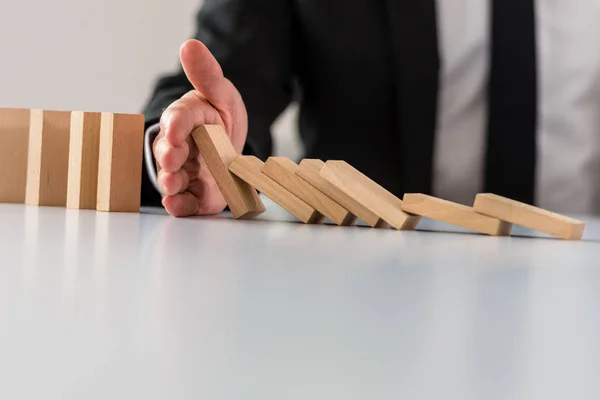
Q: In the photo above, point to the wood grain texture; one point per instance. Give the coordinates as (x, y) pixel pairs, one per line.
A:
(283, 171)
(454, 213)
(249, 169)
(309, 170)
(48, 158)
(352, 183)
(14, 145)
(120, 162)
(218, 153)
(528, 216)
(84, 149)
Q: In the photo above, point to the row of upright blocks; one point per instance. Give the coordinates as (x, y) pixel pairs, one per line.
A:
(315, 190)
(81, 160)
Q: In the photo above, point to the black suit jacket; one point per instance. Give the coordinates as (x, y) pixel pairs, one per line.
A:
(365, 72)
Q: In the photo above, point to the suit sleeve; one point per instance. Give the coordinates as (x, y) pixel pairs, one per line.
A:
(251, 39)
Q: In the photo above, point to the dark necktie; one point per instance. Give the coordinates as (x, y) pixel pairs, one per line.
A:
(511, 146)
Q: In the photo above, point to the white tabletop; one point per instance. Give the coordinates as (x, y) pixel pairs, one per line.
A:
(128, 306)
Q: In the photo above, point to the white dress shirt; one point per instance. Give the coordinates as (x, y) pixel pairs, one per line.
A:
(568, 137)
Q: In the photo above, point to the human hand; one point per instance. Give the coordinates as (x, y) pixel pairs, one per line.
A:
(183, 177)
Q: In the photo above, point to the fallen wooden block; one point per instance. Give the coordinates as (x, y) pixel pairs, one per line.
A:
(120, 162)
(454, 213)
(14, 143)
(249, 169)
(528, 216)
(309, 170)
(348, 181)
(82, 187)
(218, 152)
(48, 158)
(283, 171)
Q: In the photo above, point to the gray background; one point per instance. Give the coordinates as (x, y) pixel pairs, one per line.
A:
(100, 55)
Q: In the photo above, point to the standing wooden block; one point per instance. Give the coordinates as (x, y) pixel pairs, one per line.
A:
(14, 143)
(83, 160)
(283, 171)
(528, 216)
(218, 152)
(48, 160)
(120, 162)
(249, 169)
(352, 183)
(309, 170)
(454, 213)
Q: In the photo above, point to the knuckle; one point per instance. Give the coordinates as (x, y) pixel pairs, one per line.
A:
(175, 110)
(160, 181)
(173, 183)
(192, 95)
(163, 153)
(168, 185)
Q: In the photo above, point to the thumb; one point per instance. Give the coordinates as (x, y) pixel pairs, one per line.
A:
(204, 72)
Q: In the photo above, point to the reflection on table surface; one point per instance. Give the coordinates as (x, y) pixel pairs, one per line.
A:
(121, 306)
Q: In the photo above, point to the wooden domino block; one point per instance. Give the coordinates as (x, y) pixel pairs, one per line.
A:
(454, 213)
(350, 182)
(309, 170)
(283, 171)
(14, 143)
(249, 169)
(83, 160)
(48, 158)
(120, 162)
(528, 216)
(218, 153)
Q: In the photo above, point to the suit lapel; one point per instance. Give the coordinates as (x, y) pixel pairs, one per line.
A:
(413, 38)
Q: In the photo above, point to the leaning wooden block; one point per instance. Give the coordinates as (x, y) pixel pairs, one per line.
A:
(218, 153)
(120, 162)
(309, 170)
(14, 142)
(283, 171)
(84, 149)
(350, 182)
(249, 169)
(454, 213)
(528, 216)
(48, 158)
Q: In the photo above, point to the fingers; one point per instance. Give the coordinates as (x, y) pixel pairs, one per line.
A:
(172, 183)
(199, 199)
(215, 100)
(171, 158)
(181, 205)
(204, 72)
(187, 192)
